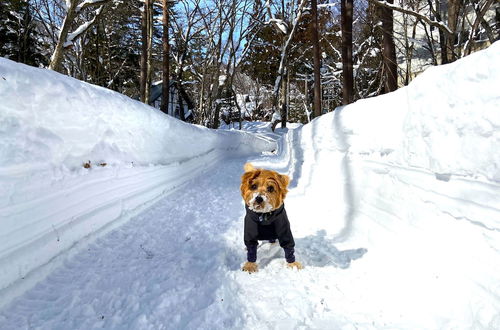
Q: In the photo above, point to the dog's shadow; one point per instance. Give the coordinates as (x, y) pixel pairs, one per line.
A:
(320, 251)
(316, 250)
(267, 252)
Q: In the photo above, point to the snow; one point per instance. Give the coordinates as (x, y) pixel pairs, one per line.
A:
(280, 24)
(84, 26)
(393, 204)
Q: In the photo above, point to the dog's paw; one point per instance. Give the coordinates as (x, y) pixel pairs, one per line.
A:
(295, 264)
(250, 267)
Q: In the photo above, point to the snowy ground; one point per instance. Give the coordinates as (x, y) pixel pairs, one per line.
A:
(393, 204)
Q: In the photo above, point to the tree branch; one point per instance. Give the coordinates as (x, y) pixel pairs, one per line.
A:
(89, 3)
(439, 25)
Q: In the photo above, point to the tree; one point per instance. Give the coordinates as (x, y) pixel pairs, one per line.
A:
(20, 39)
(147, 48)
(346, 18)
(480, 12)
(287, 25)
(223, 29)
(317, 63)
(74, 9)
(390, 67)
(166, 54)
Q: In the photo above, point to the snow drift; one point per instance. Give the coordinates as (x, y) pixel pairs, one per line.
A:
(413, 177)
(50, 125)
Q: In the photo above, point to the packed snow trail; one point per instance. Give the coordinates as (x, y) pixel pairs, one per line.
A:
(174, 266)
(165, 269)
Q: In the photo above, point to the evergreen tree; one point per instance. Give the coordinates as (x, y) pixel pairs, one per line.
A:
(19, 38)
(262, 60)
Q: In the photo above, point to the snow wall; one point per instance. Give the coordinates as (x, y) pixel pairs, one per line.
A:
(412, 177)
(440, 134)
(50, 125)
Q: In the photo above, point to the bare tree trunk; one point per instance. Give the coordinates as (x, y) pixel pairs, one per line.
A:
(454, 7)
(389, 49)
(57, 56)
(283, 67)
(149, 79)
(317, 64)
(346, 8)
(201, 101)
(479, 19)
(144, 53)
(284, 94)
(166, 62)
(65, 39)
(484, 24)
(181, 102)
(442, 36)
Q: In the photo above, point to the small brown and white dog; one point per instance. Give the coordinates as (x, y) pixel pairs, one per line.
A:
(264, 192)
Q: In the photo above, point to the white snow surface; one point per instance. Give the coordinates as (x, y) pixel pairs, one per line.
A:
(393, 204)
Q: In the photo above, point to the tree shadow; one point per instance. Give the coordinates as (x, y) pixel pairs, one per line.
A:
(320, 251)
(343, 146)
(297, 160)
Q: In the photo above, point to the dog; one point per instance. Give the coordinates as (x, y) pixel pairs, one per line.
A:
(264, 192)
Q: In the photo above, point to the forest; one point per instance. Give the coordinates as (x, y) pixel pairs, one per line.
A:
(235, 60)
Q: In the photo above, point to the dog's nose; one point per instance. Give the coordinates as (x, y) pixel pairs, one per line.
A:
(259, 199)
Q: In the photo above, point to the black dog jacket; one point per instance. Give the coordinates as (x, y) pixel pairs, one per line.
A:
(268, 226)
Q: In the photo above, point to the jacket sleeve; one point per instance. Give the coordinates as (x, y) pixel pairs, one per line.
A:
(284, 232)
(250, 237)
(285, 238)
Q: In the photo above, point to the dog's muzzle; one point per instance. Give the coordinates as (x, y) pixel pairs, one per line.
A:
(260, 203)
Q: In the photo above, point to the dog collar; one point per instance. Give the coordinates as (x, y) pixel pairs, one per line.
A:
(265, 217)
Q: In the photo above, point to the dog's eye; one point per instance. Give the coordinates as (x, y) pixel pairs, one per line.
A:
(270, 189)
(253, 187)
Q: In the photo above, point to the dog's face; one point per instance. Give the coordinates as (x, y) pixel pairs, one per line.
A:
(263, 190)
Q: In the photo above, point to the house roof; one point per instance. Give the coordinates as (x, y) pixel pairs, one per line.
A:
(157, 90)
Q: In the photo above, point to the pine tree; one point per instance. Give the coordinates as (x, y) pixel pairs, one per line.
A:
(19, 39)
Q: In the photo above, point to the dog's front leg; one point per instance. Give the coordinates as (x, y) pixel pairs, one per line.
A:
(250, 267)
(295, 264)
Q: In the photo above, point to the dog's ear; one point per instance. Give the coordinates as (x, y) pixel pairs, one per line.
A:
(246, 178)
(248, 167)
(283, 181)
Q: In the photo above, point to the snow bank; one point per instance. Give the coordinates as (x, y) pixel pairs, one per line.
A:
(446, 124)
(50, 125)
(413, 177)
(447, 121)
(49, 120)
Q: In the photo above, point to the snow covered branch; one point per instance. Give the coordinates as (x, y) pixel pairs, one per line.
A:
(82, 28)
(426, 19)
(89, 3)
(284, 52)
(479, 15)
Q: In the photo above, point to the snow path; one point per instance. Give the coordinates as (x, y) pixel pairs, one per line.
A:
(153, 272)
(174, 266)
(163, 269)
